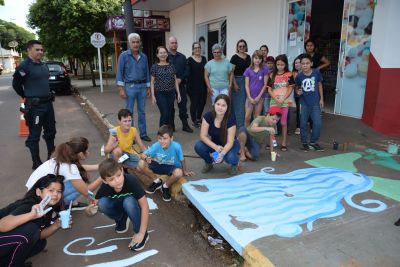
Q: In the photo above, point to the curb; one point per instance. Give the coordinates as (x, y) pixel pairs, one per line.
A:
(255, 258)
(99, 120)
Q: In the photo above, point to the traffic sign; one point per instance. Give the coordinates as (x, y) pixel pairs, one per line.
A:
(97, 40)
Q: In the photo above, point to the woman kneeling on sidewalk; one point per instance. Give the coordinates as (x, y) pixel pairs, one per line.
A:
(217, 136)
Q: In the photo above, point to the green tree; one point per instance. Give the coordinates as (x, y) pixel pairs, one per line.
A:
(11, 32)
(65, 26)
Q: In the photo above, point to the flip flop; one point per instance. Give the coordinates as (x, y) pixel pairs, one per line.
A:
(283, 148)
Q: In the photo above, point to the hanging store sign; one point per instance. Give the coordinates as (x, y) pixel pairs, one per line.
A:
(117, 23)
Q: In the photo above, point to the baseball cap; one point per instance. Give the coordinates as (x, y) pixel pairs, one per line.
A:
(274, 110)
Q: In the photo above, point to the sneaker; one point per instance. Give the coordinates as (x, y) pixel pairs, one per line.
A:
(145, 138)
(153, 187)
(79, 206)
(208, 167)
(123, 225)
(186, 128)
(305, 147)
(166, 195)
(317, 147)
(36, 164)
(232, 170)
(139, 246)
(297, 131)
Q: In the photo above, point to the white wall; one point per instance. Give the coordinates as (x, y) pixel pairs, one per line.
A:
(385, 37)
(256, 21)
(182, 28)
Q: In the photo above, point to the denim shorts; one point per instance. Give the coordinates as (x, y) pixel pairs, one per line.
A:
(161, 168)
(252, 146)
(132, 162)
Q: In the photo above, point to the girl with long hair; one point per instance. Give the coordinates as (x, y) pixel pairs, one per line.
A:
(217, 135)
(280, 87)
(256, 78)
(24, 226)
(67, 162)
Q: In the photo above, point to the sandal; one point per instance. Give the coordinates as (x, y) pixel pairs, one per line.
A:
(283, 148)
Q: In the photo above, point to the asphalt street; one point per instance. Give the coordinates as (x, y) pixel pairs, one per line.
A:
(173, 241)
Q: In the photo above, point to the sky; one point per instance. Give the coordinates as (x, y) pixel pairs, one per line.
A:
(16, 11)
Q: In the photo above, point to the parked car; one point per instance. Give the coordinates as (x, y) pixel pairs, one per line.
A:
(1, 68)
(59, 79)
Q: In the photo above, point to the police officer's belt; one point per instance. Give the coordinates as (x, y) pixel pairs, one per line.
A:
(38, 100)
(137, 81)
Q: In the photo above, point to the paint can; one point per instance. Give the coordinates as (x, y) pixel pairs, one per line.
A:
(393, 148)
(345, 146)
(335, 145)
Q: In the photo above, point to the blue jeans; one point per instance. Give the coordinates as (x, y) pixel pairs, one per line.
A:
(115, 208)
(307, 112)
(70, 193)
(252, 146)
(137, 92)
(165, 100)
(204, 151)
(239, 101)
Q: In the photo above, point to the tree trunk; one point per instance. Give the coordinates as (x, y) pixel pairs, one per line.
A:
(83, 65)
(91, 63)
(75, 66)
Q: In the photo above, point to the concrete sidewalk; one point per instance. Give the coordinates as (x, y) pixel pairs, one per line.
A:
(354, 238)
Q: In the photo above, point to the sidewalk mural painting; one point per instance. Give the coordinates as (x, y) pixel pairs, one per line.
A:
(388, 187)
(108, 249)
(254, 205)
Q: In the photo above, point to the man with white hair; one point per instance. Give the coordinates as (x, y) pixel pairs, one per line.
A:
(178, 60)
(133, 81)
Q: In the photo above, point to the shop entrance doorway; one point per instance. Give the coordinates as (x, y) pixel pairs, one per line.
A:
(325, 28)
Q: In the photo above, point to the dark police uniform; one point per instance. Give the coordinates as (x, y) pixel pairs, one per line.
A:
(31, 81)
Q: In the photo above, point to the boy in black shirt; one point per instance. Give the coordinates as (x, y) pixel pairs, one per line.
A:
(121, 198)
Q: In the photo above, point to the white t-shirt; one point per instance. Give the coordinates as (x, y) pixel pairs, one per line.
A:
(69, 171)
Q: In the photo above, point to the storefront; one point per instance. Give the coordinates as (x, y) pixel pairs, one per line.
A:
(343, 29)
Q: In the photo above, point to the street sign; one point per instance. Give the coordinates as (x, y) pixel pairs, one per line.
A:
(13, 44)
(97, 40)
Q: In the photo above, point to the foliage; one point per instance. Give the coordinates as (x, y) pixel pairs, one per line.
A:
(65, 26)
(11, 32)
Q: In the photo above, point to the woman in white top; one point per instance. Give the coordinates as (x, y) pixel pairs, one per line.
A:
(67, 163)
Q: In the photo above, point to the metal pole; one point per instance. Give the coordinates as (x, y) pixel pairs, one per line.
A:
(100, 71)
(128, 18)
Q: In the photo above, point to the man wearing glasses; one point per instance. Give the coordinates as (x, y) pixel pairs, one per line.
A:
(31, 82)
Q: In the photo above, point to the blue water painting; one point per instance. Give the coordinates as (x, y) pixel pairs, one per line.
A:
(249, 206)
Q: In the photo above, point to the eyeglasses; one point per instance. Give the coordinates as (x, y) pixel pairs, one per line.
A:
(241, 46)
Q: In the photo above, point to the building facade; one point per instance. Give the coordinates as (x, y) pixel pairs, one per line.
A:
(358, 37)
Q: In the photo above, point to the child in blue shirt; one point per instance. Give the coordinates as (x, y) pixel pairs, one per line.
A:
(164, 157)
(309, 88)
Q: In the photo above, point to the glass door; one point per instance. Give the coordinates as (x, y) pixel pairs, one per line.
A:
(298, 28)
(353, 58)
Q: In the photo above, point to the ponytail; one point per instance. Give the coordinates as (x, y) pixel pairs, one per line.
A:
(68, 153)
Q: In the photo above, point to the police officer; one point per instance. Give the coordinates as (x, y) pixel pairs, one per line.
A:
(31, 81)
